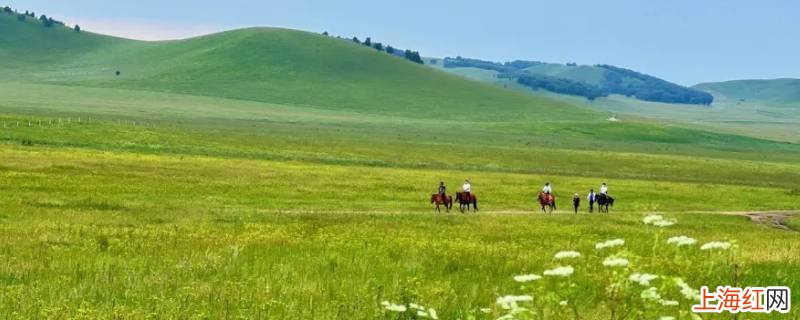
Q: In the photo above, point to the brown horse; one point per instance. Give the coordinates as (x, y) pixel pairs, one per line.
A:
(464, 200)
(548, 202)
(439, 200)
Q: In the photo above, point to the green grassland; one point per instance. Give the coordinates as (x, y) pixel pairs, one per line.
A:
(764, 109)
(766, 120)
(777, 91)
(269, 173)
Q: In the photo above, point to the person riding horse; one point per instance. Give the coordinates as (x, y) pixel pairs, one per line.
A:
(604, 200)
(441, 198)
(466, 197)
(547, 189)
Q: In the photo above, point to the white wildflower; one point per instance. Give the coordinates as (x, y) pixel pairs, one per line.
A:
(609, 244)
(669, 303)
(415, 306)
(688, 292)
(567, 254)
(510, 301)
(666, 318)
(681, 241)
(432, 313)
(486, 310)
(563, 303)
(721, 245)
(527, 277)
(651, 294)
(658, 220)
(422, 314)
(560, 271)
(650, 219)
(615, 262)
(663, 223)
(395, 307)
(643, 278)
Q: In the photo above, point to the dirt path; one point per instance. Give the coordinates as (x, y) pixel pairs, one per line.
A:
(774, 219)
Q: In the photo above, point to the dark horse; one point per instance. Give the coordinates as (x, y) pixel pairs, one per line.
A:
(548, 202)
(603, 202)
(439, 200)
(464, 200)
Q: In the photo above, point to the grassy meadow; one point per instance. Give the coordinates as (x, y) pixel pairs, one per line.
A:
(767, 109)
(278, 174)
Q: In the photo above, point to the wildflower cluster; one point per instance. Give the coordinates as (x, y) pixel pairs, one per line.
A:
(609, 244)
(716, 245)
(418, 310)
(628, 291)
(658, 221)
(681, 241)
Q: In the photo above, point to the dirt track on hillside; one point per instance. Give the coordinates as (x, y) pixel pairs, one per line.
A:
(774, 219)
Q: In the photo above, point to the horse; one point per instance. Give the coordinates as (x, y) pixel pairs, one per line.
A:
(464, 201)
(603, 202)
(548, 202)
(439, 200)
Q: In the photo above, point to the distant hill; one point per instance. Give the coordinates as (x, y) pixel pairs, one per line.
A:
(312, 71)
(261, 64)
(587, 81)
(779, 91)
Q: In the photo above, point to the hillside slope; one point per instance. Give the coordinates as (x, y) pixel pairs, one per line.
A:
(307, 71)
(28, 44)
(269, 65)
(778, 91)
(583, 80)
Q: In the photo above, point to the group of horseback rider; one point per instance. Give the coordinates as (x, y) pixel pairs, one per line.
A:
(546, 198)
(465, 198)
(602, 198)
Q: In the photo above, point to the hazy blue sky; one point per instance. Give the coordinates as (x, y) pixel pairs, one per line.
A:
(682, 41)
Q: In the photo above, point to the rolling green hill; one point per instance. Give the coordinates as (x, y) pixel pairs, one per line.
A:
(583, 80)
(774, 91)
(28, 45)
(757, 108)
(310, 72)
(267, 65)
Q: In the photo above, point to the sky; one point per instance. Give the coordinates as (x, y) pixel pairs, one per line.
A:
(683, 41)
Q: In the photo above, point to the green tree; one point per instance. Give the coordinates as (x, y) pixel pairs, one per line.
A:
(77, 28)
(46, 22)
(413, 56)
(368, 42)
